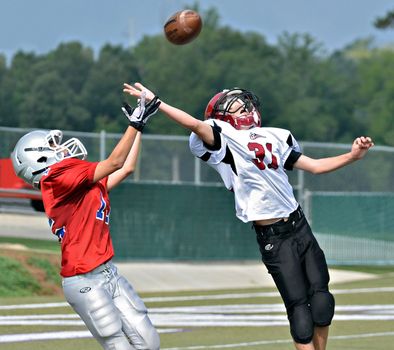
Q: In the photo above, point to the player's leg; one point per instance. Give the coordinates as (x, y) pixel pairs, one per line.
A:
(309, 346)
(280, 255)
(321, 300)
(90, 297)
(320, 337)
(135, 321)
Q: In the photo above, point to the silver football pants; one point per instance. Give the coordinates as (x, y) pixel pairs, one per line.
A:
(111, 309)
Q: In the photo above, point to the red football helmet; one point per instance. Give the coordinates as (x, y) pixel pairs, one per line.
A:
(236, 106)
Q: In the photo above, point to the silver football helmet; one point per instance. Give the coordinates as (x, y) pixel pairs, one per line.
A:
(39, 149)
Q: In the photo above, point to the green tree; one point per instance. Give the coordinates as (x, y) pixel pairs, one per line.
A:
(319, 97)
(3, 67)
(72, 62)
(102, 93)
(376, 91)
(51, 104)
(188, 76)
(3, 71)
(313, 90)
(16, 84)
(385, 22)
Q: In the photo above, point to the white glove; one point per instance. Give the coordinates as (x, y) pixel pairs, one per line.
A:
(139, 115)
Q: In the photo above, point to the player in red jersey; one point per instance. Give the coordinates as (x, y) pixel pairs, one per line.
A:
(75, 196)
(252, 162)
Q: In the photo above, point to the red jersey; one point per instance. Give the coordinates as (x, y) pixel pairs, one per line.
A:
(78, 212)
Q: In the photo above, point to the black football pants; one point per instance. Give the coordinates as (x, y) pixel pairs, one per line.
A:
(298, 266)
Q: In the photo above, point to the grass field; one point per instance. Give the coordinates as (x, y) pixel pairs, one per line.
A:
(247, 319)
(228, 319)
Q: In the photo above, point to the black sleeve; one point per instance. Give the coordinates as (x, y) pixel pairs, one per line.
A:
(217, 143)
(291, 159)
(205, 157)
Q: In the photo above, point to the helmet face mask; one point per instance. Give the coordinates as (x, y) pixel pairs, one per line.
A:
(39, 149)
(72, 148)
(238, 107)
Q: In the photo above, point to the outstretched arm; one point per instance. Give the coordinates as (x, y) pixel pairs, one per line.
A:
(129, 165)
(203, 130)
(118, 156)
(360, 147)
(137, 118)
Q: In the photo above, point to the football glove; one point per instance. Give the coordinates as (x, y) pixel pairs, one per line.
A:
(139, 115)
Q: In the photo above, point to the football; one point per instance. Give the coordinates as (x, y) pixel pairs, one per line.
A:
(183, 27)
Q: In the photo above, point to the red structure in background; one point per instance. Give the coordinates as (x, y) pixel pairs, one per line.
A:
(11, 186)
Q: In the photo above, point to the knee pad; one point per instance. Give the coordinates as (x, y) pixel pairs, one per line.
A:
(100, 314)
(322, 308)
(301, 323)
(136, 323)
(128, 293)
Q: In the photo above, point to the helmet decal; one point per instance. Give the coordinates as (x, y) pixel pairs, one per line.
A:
(39, 149)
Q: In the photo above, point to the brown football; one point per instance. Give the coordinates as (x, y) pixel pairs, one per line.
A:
(182, 27)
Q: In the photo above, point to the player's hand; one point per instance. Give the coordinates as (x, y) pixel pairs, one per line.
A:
(139, 116)
(360, 147)
(137, 89)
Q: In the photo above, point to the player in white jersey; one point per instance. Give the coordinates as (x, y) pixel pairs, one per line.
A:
(252, 162)
(260, 194)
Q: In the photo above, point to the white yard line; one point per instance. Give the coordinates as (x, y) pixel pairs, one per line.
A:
(206, 297)
(251, 315)
(13, 338)
(33, 306)
(279, 341)
(236, 345)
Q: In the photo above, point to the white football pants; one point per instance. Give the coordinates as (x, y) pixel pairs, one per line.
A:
(111, 309)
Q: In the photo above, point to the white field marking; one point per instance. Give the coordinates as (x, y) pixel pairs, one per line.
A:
(199, 316)
(206, 297)
(34, 306)
(262, 308)
(237, 345)
(252, 315)
(241, 309)
(279, 341)
(39, 317)
(363, 290)
(213, 297)
(13, 338)
(261, 294)
(41, 323)
(209, 309)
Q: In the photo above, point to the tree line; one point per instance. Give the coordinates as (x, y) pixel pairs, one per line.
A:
(318, 96)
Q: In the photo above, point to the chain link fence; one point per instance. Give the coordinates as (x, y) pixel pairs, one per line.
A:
(338, 204)
(167, 159)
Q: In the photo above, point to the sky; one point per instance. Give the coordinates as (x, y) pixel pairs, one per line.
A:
(41, 25)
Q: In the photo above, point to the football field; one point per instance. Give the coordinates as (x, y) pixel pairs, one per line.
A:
(247, 319)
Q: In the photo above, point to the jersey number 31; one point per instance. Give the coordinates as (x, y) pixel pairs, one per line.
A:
(260, 153)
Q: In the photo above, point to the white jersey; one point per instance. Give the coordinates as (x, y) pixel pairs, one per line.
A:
(252, 164)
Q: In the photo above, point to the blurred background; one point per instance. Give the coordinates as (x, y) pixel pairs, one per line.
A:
(323, 70)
